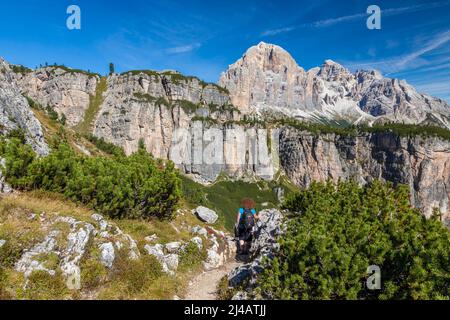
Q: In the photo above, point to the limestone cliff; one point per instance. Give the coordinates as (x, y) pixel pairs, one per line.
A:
(67, 91)
(15, 113)
(421, 163)
(177, 118)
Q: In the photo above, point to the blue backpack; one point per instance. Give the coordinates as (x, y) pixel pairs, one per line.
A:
(247, 220)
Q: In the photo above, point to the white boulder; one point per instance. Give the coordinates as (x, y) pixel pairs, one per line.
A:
(206, 215)
(198, 242)
(173, 247)
(107, 254)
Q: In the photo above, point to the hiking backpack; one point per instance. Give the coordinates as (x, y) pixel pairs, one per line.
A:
(248, 219)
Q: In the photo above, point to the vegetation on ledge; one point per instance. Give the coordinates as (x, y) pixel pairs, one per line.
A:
(403, 130)
(73, 71)
(20, 69)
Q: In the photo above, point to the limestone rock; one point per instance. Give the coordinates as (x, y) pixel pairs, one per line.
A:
(76, 248)
(151, 238)
(157, 250)
(200, 231)
(4, 187)
(173, 247)
(171, 261)
(107, 254)
(421, 163)
(205, 214)
(28, 262)
(269, 227)
(101, 221)
(240, 296)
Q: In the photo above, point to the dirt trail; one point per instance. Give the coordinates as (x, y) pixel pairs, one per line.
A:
(204, 286)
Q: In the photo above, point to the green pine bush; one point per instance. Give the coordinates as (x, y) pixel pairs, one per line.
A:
(337, 232)
(137, 186)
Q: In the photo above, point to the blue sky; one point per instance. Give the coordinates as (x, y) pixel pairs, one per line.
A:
(203, 37)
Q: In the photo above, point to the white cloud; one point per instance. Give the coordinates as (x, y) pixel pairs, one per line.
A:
(332, 21)
(277, 31)
(438, 41)
(183, 49)
(411, 60)
(438, 88)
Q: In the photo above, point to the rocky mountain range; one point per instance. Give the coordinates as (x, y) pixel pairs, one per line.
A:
(179, 117)
(267, 79)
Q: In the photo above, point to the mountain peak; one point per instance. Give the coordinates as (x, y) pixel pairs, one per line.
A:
(248, 78)
(268, 51)
(332, 70)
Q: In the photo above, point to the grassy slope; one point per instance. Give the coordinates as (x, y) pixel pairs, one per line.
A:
(85, 127)
(53, 128)
(21, 232)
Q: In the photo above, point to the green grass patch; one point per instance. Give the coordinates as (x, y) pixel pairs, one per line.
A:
(85, 127)
(225, 196)
(70, 70)
(138, 72)
(20, 69)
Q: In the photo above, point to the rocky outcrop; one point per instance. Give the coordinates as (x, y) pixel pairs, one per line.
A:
(268, 80)
(220, 248)
(421, 163)
(150, 106)
(15, 113)
(69, 247)
(268, 228)
(4, 187)
(67, 91)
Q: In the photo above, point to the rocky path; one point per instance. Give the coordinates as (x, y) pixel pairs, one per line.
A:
(204, 286)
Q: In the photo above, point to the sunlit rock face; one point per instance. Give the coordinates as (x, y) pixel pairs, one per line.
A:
(67, 92)
(423, 164)
(209, 129)
(185, 120)
(15, 113)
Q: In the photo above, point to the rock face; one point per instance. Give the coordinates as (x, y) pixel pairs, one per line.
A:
(185, 120)
(150, 106)
(15, 113)
(268, 80)
(65, 90)
(421, 163)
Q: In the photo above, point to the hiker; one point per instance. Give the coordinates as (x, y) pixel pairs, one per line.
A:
(245, 223)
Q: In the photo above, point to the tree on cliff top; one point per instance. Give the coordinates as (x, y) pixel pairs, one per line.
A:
(111, 68)
(339, 231)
